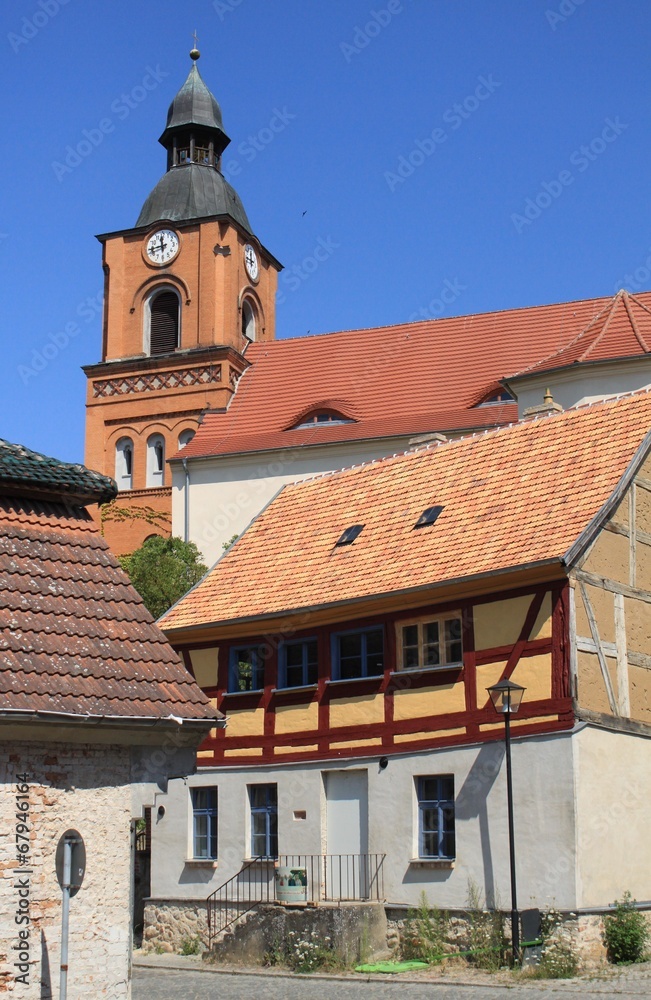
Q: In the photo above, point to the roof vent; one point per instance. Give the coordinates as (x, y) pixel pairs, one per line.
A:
(350, 534)
(428, 517)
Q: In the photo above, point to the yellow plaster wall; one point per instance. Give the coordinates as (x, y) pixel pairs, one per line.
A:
(487, 675)
(603, 605)
(500, 622)
(643, 508)
(609, 557)
(363, 710)
(638, 626)
(251, 752)
(542, 627)
(243, 722)
(417, 737)
(620, 516)
(535, 674)
(439, 700)
(204, 665)
(354, 743)
(302, 749)
(639, 681)
(515, 721)
(296, 718)
(643, 558)
(591, 688)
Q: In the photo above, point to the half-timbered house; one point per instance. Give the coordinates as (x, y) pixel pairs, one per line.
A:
(350, 636)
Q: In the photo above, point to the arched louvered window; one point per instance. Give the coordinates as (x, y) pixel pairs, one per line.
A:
(248, 320)
(164, 308)
(156, 460)
(124, 463)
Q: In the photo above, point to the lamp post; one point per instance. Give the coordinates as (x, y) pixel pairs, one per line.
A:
(506, 698)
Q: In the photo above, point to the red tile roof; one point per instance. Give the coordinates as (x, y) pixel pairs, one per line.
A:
(622, 329)
(397, 380)
(511, 497)
(75, 637)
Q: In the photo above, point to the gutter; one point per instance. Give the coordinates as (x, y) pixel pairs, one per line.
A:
(102, 721)
(186, 502)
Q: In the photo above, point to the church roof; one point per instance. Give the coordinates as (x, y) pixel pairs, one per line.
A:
(622, 329)
(513, 498)
(393, 381)
(192, 191)
(193, 105)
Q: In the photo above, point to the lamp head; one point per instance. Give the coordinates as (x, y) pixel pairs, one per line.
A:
(506, 697)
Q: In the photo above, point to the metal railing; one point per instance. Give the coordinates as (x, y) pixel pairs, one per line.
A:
(332, 878)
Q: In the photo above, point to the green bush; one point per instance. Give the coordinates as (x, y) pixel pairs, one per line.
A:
(626, 932)
(190, 946)
(425, 932)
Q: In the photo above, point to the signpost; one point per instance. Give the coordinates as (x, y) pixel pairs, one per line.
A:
(70, 868)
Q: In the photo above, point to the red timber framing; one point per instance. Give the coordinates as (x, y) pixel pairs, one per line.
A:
(477, 722)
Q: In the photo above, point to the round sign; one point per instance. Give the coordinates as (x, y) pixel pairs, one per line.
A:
(77, 860)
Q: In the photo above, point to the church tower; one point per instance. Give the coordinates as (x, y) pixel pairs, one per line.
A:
(185, 291)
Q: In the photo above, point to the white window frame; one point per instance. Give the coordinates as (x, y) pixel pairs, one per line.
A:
(155, 475)
(421, 622)
(123, 478)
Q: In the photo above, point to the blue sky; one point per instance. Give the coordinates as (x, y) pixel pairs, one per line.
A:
(454, 156)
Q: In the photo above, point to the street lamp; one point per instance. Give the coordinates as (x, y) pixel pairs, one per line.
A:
(506, 697)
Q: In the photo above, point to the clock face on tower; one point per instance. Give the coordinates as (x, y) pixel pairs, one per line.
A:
(162, 246)
(251, 262)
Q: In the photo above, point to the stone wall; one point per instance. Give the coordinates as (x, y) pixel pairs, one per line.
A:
(170, 923)
(85, 788)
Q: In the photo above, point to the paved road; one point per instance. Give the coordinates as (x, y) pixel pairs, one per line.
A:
(153, 984)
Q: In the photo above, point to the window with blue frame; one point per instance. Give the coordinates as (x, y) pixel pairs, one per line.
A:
(263, 801)
(204, 823)
(298, 663)
(358, 654)
(436, 817)
(246, 669)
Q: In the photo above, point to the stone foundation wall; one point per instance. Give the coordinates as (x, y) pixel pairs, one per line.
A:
(169, 923)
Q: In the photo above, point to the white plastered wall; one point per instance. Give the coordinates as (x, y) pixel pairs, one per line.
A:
(613, 782)
(544, 823)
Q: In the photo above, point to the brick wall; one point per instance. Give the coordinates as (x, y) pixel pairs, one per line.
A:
(85, 788)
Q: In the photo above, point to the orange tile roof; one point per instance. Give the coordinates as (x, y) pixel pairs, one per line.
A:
(396, 380)
(75, 637)
(513, 496)
(621, 330)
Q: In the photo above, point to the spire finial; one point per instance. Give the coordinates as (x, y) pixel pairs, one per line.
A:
(194, 54)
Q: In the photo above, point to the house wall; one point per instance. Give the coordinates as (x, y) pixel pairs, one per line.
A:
(544, 823)
(613, 811)
(569, 386)
(518, 634)
(612, 612)
(227, 493)
(70, 787)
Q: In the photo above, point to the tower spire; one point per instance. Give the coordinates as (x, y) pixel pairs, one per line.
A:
(195, 54)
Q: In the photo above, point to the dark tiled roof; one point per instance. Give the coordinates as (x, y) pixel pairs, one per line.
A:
(75, 637)
(33, 475)
(194, 105)
(192, 191)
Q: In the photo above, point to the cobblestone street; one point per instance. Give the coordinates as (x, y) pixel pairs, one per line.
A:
(172, 984)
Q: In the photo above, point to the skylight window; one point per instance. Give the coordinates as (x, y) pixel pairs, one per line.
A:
(428, 517)
(350, 534)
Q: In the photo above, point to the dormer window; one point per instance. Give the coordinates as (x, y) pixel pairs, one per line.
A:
(495, 398)
(322, 417)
